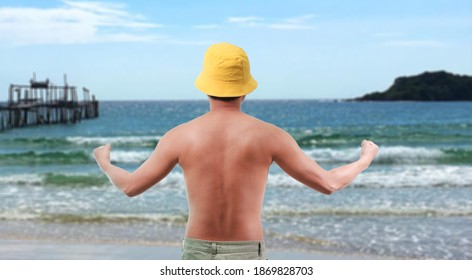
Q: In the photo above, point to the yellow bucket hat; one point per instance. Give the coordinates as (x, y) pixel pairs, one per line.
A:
(226, 72)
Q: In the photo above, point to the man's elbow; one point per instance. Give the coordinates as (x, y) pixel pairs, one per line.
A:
(130, 193)
(332, 184)
(328, 191)
(130, 190)
(323, 185)
(323, 188)
(329, 187)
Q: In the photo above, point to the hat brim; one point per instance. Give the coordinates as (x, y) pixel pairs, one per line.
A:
(220, 88)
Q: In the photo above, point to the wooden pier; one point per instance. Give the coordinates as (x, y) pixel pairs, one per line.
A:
(42, 102)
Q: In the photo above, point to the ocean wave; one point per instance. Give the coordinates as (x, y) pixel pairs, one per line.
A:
(129, 156)
(402, 154)
(395, 155)
(55, 179)
(425, 176)
(427, 212)
(456, 155)
(390, 135)
(51, 179)
(420, 176)
(76, 180)
(182, 218)
(129, 149)
(73, 141)
(22, 179)
(65, 218)
(327, 139)
(390, 155)
(69, 157)
(307, 138)
(40, 158)
(143, 141)
(35, 142)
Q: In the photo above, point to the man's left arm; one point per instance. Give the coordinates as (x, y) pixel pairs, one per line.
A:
(154, 169)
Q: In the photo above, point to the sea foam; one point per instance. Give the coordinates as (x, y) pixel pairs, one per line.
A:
(115, 140)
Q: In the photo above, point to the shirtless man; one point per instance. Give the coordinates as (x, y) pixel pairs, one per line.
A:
(225, 156)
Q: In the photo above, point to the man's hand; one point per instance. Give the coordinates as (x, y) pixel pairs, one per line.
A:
(369, 150)
(102, 155)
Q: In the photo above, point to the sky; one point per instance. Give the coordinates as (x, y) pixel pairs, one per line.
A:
(298, 49)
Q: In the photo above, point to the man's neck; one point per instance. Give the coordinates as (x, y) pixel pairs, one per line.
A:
(219, 105)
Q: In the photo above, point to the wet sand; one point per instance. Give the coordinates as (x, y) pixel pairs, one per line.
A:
(52, 250)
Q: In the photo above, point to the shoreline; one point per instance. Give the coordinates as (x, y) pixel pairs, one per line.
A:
(45, 240)
(30, 249)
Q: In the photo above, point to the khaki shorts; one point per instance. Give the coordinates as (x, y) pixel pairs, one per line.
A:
(196, 249)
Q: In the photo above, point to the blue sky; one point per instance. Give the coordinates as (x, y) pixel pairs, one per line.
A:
(298, 49)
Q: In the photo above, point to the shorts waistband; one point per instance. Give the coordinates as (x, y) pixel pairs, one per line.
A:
(223, 246)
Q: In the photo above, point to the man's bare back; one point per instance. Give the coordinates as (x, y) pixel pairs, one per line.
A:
(225, 165)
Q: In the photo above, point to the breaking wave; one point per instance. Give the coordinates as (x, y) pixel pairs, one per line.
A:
(74, 141)
(96, 218)
(420, 176)
(396, 155)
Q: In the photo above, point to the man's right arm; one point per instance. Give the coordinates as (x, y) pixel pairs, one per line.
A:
(288, 155)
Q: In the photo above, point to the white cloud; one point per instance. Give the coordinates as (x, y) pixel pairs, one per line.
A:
(245, 20)
(73, 22)
(293, 23)
(189, 42)
(300, 19)
(289, 26)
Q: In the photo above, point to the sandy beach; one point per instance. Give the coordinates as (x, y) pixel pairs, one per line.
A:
(53, 250)
(29, 240)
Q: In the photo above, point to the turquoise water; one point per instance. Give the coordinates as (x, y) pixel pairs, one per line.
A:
(415, 201)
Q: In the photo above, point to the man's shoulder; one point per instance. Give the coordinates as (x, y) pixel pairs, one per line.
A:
(266, 130)
(177, 130)
(186, 126)
(269, 127)
(184, 129)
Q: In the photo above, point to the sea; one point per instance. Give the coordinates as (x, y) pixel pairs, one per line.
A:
(414, 201)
